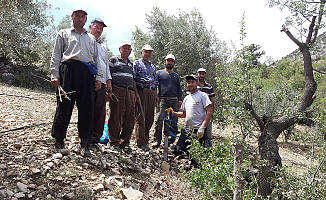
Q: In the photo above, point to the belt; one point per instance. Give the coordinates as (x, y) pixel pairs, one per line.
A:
(125, 86)
(169, 98)
(141, 87)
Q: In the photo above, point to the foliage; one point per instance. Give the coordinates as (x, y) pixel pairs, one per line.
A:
(236, 87)
(292, 186)
(301, 13)
(214, 177)
(22, 24)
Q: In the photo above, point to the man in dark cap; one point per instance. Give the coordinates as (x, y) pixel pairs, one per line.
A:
(197, 109)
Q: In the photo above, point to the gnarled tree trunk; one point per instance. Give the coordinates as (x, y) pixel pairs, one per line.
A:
(272, 128)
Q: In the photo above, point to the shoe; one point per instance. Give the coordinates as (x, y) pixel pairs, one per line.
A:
(144, 147)
(116, 148)
(94, 146)
(127, 149)
(59, 147)
(156, 144)
(84, 151)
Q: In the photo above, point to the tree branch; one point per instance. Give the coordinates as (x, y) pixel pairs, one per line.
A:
(257, 118)
(320, 15)
(289, 34)
(318, 71)
(311, 30)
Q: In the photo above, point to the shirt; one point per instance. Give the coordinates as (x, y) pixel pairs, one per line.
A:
(145, 75)
(71, 45)
(207, 88)
(169, 84)
(122, 73)
(103, 57)
(194, 105)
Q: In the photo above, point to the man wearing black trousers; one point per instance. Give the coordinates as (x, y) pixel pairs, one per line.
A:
(72, 47)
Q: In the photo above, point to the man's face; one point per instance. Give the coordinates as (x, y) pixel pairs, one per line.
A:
(169, 63)
(125, 51)
(201, 76)
(192, 85)
(146, 55)
(79, 19)
(96, 29)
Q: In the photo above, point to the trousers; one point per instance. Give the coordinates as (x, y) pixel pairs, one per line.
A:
(74, 76)
(99, 113)
(160, 115)
(182, 146)
(122, 116)
(148, 100)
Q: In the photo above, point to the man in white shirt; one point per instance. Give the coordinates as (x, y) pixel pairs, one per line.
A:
(197, 109)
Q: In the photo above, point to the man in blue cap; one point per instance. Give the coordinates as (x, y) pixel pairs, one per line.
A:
(74, 49)
(96, 28)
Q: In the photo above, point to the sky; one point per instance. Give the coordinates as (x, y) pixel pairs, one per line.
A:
(262, 24)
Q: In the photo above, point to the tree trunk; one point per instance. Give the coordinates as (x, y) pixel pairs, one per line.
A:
(238, 182)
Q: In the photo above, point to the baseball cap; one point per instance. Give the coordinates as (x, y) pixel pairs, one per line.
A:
(98, 20)
(79, 8)
(201, 70)
(169, 56)
(194, 77)
(124, 42)
(147, 47)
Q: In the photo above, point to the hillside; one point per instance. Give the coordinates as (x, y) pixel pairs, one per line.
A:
(29, 169)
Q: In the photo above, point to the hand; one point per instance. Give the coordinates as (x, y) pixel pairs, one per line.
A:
(137, 97)
(156, 101)
(200, 132)
(98, 85)
(169, 110)
(108, 94)
(179, 104)
(108, 85)
(55, 82)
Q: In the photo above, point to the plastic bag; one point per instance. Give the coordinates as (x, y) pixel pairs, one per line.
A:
(105, 137)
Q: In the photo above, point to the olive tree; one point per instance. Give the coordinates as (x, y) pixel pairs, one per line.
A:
(23, 24)
(271, 128)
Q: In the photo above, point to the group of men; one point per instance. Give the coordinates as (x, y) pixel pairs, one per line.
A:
(80, 65)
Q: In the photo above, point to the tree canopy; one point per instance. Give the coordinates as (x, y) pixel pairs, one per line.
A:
(186, 37)
(22, 24)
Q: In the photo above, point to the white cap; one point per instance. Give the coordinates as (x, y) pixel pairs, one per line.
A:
(124, 42)
(147, 47)
(169, 56)
(79, 8)
(201, 70)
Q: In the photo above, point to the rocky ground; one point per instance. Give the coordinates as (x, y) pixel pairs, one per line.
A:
(30, 170)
